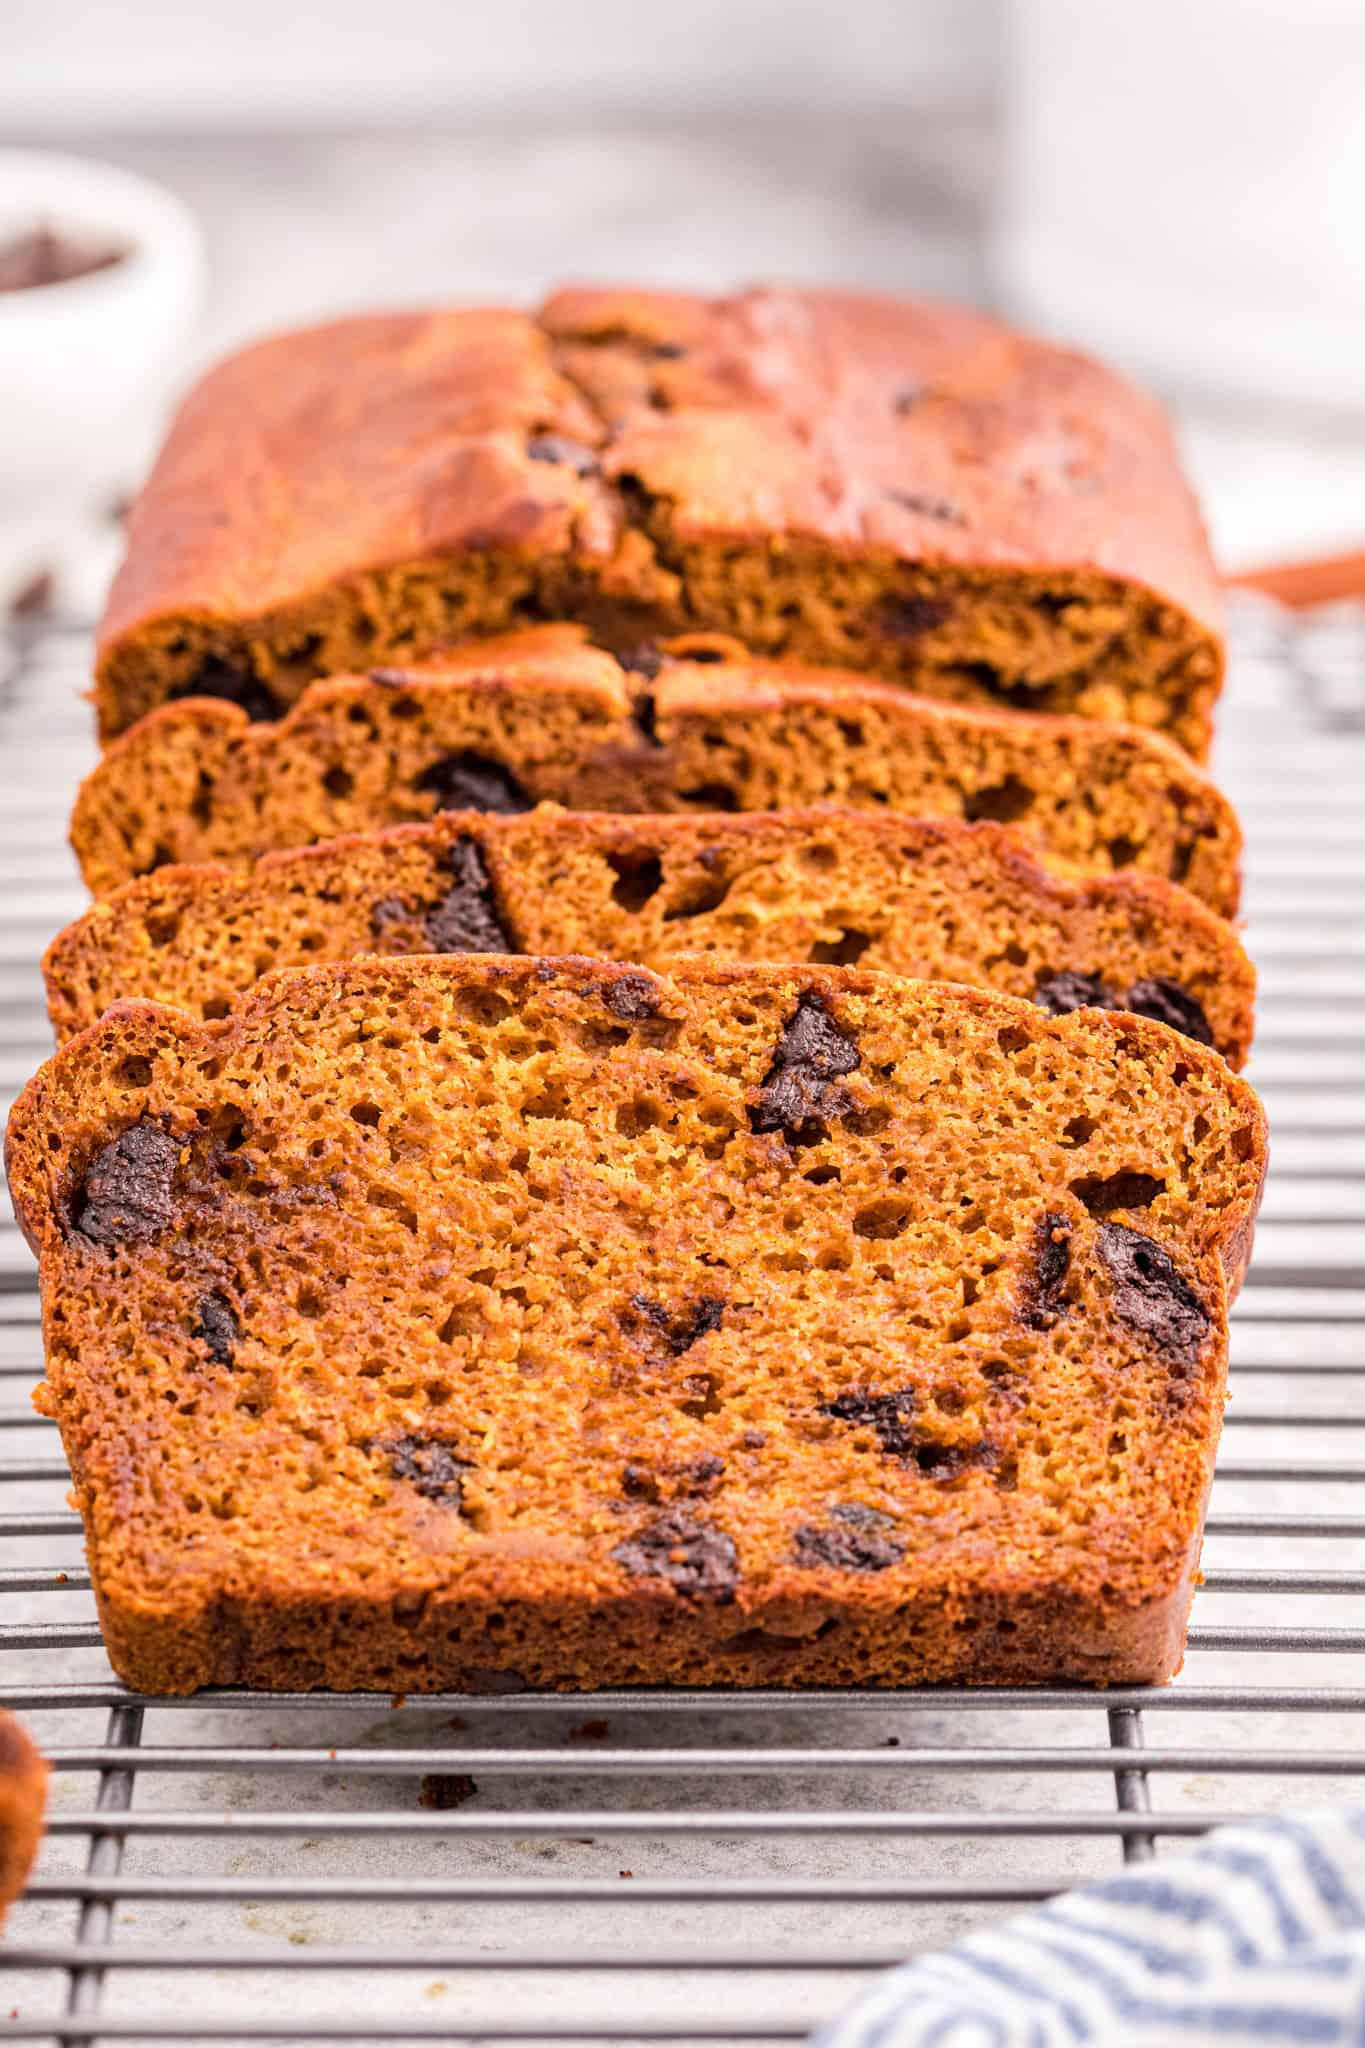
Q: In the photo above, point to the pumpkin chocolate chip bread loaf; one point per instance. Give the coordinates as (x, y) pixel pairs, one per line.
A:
(466, 1322)
(945, 901)
(545, 716)
(904, 488)
(23, 1797)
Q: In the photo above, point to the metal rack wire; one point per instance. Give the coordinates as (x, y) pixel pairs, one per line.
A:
(694, 1866)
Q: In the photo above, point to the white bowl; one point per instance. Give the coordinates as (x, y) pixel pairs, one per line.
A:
(86, 367)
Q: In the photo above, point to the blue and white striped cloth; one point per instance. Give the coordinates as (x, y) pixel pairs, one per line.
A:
(1256, 1938)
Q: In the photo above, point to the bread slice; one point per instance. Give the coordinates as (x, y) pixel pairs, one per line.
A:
(903, 488)
(459, 1322)
(23, 1798)
(544, 715)
(946, 900)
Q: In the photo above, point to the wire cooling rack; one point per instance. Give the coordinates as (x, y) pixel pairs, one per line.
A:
(694, 1866)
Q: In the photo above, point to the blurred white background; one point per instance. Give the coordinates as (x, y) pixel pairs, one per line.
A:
(1175, 186)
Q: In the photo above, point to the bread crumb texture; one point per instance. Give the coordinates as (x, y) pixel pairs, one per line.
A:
(458, 1322)
(695, 726)
(944, 901)
(903, 488)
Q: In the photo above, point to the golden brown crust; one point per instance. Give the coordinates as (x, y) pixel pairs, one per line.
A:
(198, 781)
(23, 1798)
(945, 901)
(452, 1322)
(904, 488)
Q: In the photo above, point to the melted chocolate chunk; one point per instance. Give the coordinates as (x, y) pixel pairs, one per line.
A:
(681, 1331)
(632, 997)
(857, 1543)
(691, 1555)
(471, 782)
(233, 683)
(802, 1085)
(389, 911)
(950, 1461)
(558, 448)
(217, 1327)
(466, 920)
(429, 1465)
(1151, 1294)
(1170, 1004)
(1062, 993)
(890, 1415)
(906, 618)
(1044, 1289)
(644, 660)
(929, 507)
(129, 1191)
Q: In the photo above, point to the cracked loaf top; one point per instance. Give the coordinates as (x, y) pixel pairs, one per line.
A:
(898, 487)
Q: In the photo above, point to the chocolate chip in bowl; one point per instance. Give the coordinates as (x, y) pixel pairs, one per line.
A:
(100, 275)
(44, 255)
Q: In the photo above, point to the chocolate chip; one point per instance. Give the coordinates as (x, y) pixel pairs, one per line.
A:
(1043, 1293)
(217, 1327)
(632, 997)
(890, 1415)
(638, 1482)
(858, 1542)
(466, 919)
(1170, 1004)
(692, 1556)
(558, 448)
(801, 1086)
(41, 256)
(906, 399)
(129, 1190)
(233, 683)
(1151, 1294)
(950, 1461)
(429, 1465)
(681, 1331)
(471, 782)
(1062, 993)
(701, 1475)
(929, 507)
(644, 660)
(34, 598)
(668, 351)
(906, 618)
(389, 911)
(1164, 1000)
